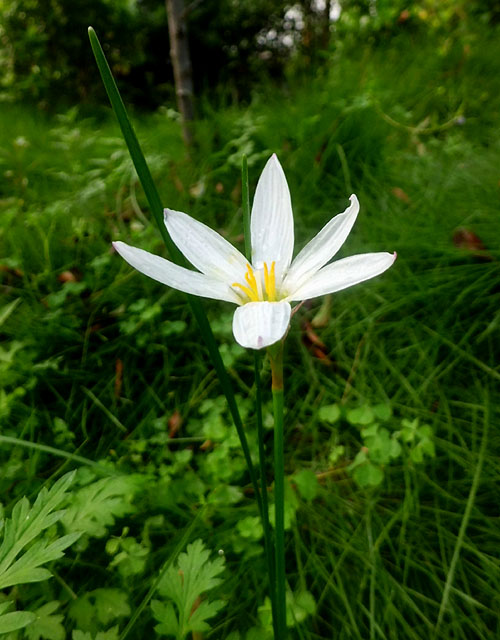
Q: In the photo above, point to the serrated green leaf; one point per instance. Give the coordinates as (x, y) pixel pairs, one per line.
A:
(15, 620)
(26, 568)
(24, 576)
(193, 575)
(204, 611)
(47, 625)
(169, 624)
(26, 522)
(110, 604)
(110, 634)
(100, 605)
(82, 611)
(94, 507)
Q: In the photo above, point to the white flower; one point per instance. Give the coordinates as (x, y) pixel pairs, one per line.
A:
(263, 289)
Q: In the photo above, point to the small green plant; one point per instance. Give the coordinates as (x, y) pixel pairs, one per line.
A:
(29, 542)
(94, 507)
(181, 609)
(99, 608)
(383, 442)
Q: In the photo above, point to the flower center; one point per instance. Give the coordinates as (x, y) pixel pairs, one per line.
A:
(253, 287)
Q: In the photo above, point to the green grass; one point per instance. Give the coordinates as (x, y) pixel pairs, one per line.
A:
(95, 368)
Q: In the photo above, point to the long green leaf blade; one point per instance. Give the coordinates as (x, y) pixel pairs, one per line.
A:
(156, 208)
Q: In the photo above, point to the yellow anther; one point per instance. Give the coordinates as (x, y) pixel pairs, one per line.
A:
(270, 281)
(253, 289)
(251, 294)
(250, 278)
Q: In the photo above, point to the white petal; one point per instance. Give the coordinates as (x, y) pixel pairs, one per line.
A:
(259, 324)
(322, 247)
(174, 276)
(271, 222)
(344, 273)
(207, 250)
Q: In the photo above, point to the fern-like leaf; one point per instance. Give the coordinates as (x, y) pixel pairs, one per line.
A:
(184, 584)
(27, 523)
(110, 634)
(48, 624)
(94, 507)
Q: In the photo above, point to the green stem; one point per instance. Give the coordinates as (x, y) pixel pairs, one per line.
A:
(263, 485)
(276, 358)
(153, 197)
(268, 546)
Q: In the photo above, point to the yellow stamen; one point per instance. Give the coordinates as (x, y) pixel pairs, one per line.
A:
(270, 281)
(250, 278)
(253, 288)
(251, 291)
(251, 294)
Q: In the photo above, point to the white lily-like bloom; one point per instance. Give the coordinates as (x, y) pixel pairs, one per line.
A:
(264, 289)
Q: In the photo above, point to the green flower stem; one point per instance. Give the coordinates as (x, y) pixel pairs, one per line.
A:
(157, 210)
(258, 409)
(263, 484)
(276, 358)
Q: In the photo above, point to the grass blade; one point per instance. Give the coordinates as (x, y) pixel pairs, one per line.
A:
(463, 524)
(157, 210)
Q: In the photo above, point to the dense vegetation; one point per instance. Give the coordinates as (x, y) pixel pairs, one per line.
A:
(392, 394)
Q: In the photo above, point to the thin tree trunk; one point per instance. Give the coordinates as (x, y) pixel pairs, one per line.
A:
(325, 26)
(181, 62)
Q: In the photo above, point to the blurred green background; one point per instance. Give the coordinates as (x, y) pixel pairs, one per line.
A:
(392, 388)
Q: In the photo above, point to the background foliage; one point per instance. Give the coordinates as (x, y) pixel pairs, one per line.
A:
(392, 388)
(45, 58)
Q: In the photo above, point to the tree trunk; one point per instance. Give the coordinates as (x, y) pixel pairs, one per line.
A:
(181, 62)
